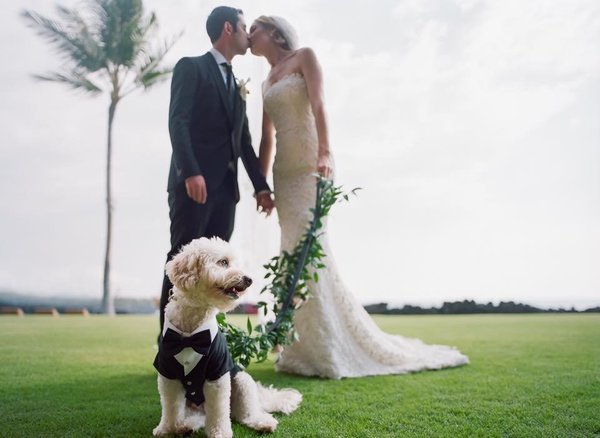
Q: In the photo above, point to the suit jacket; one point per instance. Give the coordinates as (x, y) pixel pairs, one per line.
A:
(209, 130)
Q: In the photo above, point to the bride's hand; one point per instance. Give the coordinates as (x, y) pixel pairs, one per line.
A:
(325, 165)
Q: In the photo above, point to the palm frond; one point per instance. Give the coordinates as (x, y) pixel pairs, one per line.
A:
(122, 21)
(74, 39)
(149, 59)
(141, 34)
(86, 34)
(147, 25)
(154, 77)
(75, 80)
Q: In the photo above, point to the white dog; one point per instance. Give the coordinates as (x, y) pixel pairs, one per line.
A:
(193, 360)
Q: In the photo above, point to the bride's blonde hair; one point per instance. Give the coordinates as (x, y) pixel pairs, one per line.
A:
(283, 34)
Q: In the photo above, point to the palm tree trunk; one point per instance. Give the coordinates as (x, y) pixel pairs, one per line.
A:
(108, 304)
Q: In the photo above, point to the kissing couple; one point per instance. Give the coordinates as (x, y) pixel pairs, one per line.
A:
(209, 133)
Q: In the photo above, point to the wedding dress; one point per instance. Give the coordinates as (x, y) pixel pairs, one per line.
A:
(337, 337)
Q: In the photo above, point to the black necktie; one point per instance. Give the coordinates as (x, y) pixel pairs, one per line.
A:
(229, 80)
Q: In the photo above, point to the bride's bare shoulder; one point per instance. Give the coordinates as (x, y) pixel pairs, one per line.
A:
(307, 56)
(306, 52)
(308, 62)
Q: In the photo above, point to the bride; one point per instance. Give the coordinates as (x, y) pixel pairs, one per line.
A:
(337, 338)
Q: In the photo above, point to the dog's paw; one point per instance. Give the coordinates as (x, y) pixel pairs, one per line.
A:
(162, 430)
(289, 400)
(263, 423)
(218, 432)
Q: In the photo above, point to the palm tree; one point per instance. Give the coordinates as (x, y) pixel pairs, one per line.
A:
(107, 48)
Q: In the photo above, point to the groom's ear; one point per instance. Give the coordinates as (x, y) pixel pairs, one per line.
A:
(227, 28)
(185, 269)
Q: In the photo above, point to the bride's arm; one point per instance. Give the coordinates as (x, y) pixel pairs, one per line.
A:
(265, 152)
(311, 70)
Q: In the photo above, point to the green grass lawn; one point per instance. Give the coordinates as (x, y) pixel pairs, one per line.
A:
(530, 375)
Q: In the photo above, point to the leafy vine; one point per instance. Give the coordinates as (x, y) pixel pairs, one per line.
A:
(290, 274)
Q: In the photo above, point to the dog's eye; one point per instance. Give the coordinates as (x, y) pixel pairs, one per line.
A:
(223, 262)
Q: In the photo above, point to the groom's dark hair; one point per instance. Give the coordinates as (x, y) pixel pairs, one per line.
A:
(217, 19)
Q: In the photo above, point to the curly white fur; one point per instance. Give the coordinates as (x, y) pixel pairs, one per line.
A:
(206, 281)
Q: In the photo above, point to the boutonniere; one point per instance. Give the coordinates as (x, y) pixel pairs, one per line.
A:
(242, 88)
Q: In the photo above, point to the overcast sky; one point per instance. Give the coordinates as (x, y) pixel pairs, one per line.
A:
(473, 127)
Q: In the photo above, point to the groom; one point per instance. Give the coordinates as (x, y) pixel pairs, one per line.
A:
(209, 132)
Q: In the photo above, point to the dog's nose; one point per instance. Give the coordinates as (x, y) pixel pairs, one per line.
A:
(247, 280)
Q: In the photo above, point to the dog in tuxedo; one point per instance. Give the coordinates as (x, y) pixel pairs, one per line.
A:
(193, 362)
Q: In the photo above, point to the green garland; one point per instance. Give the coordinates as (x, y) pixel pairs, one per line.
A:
(290, 275)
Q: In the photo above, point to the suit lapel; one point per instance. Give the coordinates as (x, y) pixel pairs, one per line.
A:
(237, 104)
(218, 78)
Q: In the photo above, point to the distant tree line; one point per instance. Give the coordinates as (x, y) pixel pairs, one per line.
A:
(467, 307)
(29, 303)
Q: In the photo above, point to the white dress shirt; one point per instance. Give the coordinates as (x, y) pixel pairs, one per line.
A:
(220, 59)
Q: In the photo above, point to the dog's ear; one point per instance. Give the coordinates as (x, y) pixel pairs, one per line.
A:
(185, 268)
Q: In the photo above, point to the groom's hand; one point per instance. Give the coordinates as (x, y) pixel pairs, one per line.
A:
(265, 203)
(196, 188)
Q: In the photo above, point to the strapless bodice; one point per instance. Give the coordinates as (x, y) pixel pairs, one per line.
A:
(287, 104)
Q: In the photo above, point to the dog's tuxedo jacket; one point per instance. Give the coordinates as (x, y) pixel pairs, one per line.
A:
(193, 359)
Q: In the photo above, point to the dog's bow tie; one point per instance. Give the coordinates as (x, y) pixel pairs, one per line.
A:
(173, 342)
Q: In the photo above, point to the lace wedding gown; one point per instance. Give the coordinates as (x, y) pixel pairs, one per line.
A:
(337, 337)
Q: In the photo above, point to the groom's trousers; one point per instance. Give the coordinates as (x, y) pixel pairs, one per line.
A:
(190, 220)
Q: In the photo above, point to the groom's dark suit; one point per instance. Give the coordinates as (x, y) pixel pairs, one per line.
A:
(209, 132)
